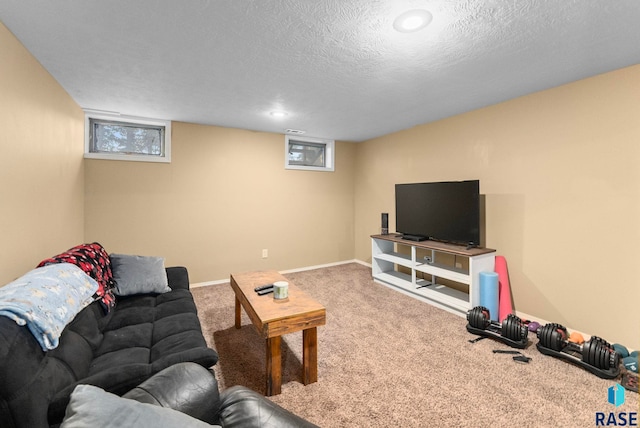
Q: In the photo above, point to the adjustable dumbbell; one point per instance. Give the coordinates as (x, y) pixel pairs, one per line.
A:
(596, 354)
(511, 331)
(596, 351)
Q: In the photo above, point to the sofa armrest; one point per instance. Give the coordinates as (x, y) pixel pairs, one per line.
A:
(186, 387)
(243, 408)
(178, 277)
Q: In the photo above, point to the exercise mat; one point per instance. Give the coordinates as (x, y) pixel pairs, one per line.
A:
(504, 292)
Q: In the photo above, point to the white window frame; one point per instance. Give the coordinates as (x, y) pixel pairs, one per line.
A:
(329, 153)
(88, 154)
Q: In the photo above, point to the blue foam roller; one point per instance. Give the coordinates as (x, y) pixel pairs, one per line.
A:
(489, 293)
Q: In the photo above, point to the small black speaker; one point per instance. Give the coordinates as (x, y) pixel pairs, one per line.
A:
(384, 227)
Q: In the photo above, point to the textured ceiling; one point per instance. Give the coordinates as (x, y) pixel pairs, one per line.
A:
(337, 67)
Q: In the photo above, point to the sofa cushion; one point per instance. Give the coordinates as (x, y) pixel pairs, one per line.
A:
(144, 335)
(93, 407)
(165, 325)
(138, 274)
(75, 353)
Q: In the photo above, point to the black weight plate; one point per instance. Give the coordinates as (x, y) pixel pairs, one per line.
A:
(515, 329)
(479, 315)
(549, 335)
(486, 318)
(563, 338)
(524, 332)
(542, 335)
(546, 335)
(592, 352)
(614, 359)
(605, 357)
(558, 336)
(472, 316)
(551, 328)
(506, 329)
(586, 349)
(520, 328)
(600, 354)
(469, 316)
(476, 317)
(586, 346)
(483, 318)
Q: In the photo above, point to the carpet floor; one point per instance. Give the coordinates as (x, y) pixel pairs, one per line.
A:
(386, 359)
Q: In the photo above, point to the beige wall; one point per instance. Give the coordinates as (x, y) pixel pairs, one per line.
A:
(223, 199)
(560, 171)
(41, 170)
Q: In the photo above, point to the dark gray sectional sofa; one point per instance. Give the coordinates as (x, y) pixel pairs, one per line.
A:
(153, 339)
(139, 337)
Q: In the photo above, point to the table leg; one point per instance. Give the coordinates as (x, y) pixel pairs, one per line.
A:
(238, 313)
(310, 355)
(274, 366)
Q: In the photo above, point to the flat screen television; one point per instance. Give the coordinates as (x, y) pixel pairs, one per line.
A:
(446, 211)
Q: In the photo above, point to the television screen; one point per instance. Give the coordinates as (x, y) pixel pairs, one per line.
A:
(444, 211)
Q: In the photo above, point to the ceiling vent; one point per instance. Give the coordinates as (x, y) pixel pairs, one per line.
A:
(294, 131)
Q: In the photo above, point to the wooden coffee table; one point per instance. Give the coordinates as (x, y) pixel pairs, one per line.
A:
(273, 318)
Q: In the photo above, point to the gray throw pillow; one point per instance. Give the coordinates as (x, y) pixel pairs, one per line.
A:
(91, 406)
(138, 274)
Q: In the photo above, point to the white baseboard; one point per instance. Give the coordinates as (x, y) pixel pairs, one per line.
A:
(542, 322)
(344, 262)
(302, 269)
(208, 283)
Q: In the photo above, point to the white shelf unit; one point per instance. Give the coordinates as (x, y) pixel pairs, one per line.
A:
(388, 255)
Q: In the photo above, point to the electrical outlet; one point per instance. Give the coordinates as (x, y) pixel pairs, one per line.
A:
(265, 253)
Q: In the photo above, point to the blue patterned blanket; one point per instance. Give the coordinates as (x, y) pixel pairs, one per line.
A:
(46, 299)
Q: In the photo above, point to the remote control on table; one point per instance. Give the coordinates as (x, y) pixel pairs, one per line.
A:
(265, 291)
(263, 287)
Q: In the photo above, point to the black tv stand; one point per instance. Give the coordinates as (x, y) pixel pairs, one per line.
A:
(416, 238)
(471, 245)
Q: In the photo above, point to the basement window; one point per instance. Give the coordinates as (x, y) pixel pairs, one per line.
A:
(127, 138)
(310, 154)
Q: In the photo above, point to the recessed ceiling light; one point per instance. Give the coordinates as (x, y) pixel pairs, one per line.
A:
(412, 20)
(279, 113)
